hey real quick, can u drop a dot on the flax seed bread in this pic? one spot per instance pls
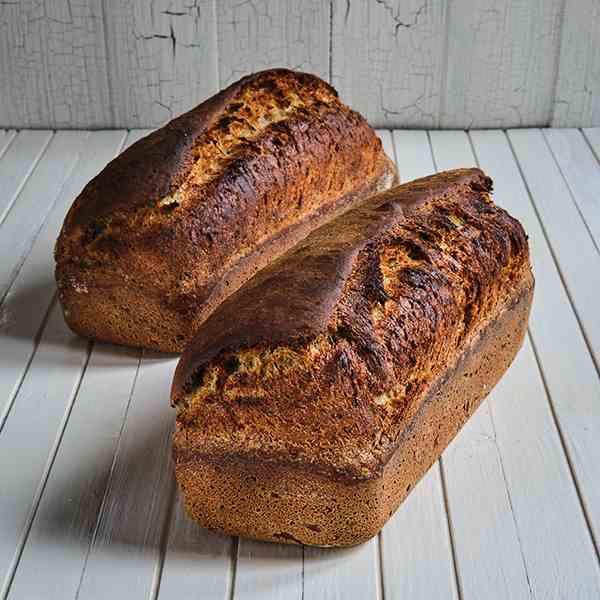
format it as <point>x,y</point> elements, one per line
<point>313,399</point>
<point>184,216</point>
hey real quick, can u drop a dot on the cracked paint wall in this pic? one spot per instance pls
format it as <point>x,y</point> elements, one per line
<point>402,63</point>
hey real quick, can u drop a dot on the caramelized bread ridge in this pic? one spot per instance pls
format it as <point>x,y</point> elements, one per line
<point>322,360</point>
<point>150,240</point>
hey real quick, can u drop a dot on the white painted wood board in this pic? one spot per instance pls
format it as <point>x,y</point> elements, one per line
<point>386,59</point>
<point>577,91</point>
<point>579,167</point>
<point>96,514</point>
<point>258,35</point>
<point>576,255</point>
<point>568,369</point>
<point>53,64</point>
<point>18,161</point>
<point>501,62</point>
<point>26,303</point>
<point>161,59</point>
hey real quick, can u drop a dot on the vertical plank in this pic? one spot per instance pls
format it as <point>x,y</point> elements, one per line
<point>577,257</point>
<point>31,431</point>
<point>342,573</point>
<point>26,302</point>
<point>485,535</point>
<point>501,62</point>
<point>581,172</point>
<point>554,539</point>
<point>17,164</point>
<point>124,558</point>
<point>268,571</point>
<point>60,535</point>
<point>416,552</point>
<point>6,137</point>
<point>577,95</point>
<point>161,58</point>
<point>31,434</point>
<point>567,366</point>
<point>53,65</point>
<point>53,558</point>
<point>388,59</point>
<point>18,230</point>
<point>592,135</point>
<point>198,563</point>
<point>267,33</point>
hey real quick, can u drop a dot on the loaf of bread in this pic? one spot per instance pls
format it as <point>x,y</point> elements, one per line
<point>184,216</point>
<point>313,399</point>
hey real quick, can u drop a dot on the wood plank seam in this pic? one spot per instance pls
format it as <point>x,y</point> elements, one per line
<point>566,452</point>
<point>31,242</point>
<point>561,29</point>
<point>13,134</point>
<point>588,142</point>
<point>46,473</point>
<point>441,468</point>
<point>571,193</point>
<point>554,258</point>
<point>539,364</point>
<point>110,473</point>
<point>28,173</point>
<point>36,343</point>
<point>508,493</point>
<point>164,540</point>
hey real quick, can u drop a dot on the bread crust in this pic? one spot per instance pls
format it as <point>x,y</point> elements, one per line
<point>339,373</point>
<point>183,217</point>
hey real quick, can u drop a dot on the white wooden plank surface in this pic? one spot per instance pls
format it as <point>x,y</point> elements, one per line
<point>161,58</point>
<point>501,65</point>
<point>576,255</point>
<point>342,573</point>
<point>6,137</point>
<point>282,565</point>
<point>486,540</point>
<point>17,163</point>
<point>569,372</point>
<point>577,93</point>
<point>416,551</point>
<point>35,200</point>
<point>53,64</point>
<point>556,544</point>
<point>198,564</point>
<point>579,167</point>
<point>107,524</point>
<point>81,466</point>
<point>268,33</point>
<point>31,434</point>
<point>26,303</point>
<point>124,559</point>
<point>33,427</point>
<point>387,59</point>
<point>592,134</point>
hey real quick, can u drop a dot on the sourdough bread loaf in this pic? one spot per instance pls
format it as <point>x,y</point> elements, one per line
<point>314,398</point>
<point>184,216</point>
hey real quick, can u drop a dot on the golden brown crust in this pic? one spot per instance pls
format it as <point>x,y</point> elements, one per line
<point>187,214</point>
<point>321,362</point>
<point>287,503</point>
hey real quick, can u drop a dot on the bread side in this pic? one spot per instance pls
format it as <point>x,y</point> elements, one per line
<point>186,215</point>
<point>320,370</point>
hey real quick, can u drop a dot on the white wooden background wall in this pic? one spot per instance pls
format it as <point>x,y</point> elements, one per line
<point>403,63</point>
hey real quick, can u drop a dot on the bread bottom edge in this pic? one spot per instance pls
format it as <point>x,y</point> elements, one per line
<point>276,503</point>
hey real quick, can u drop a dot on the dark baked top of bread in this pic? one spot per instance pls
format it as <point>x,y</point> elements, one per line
<point>321,359</point>
<point>206,189</point>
